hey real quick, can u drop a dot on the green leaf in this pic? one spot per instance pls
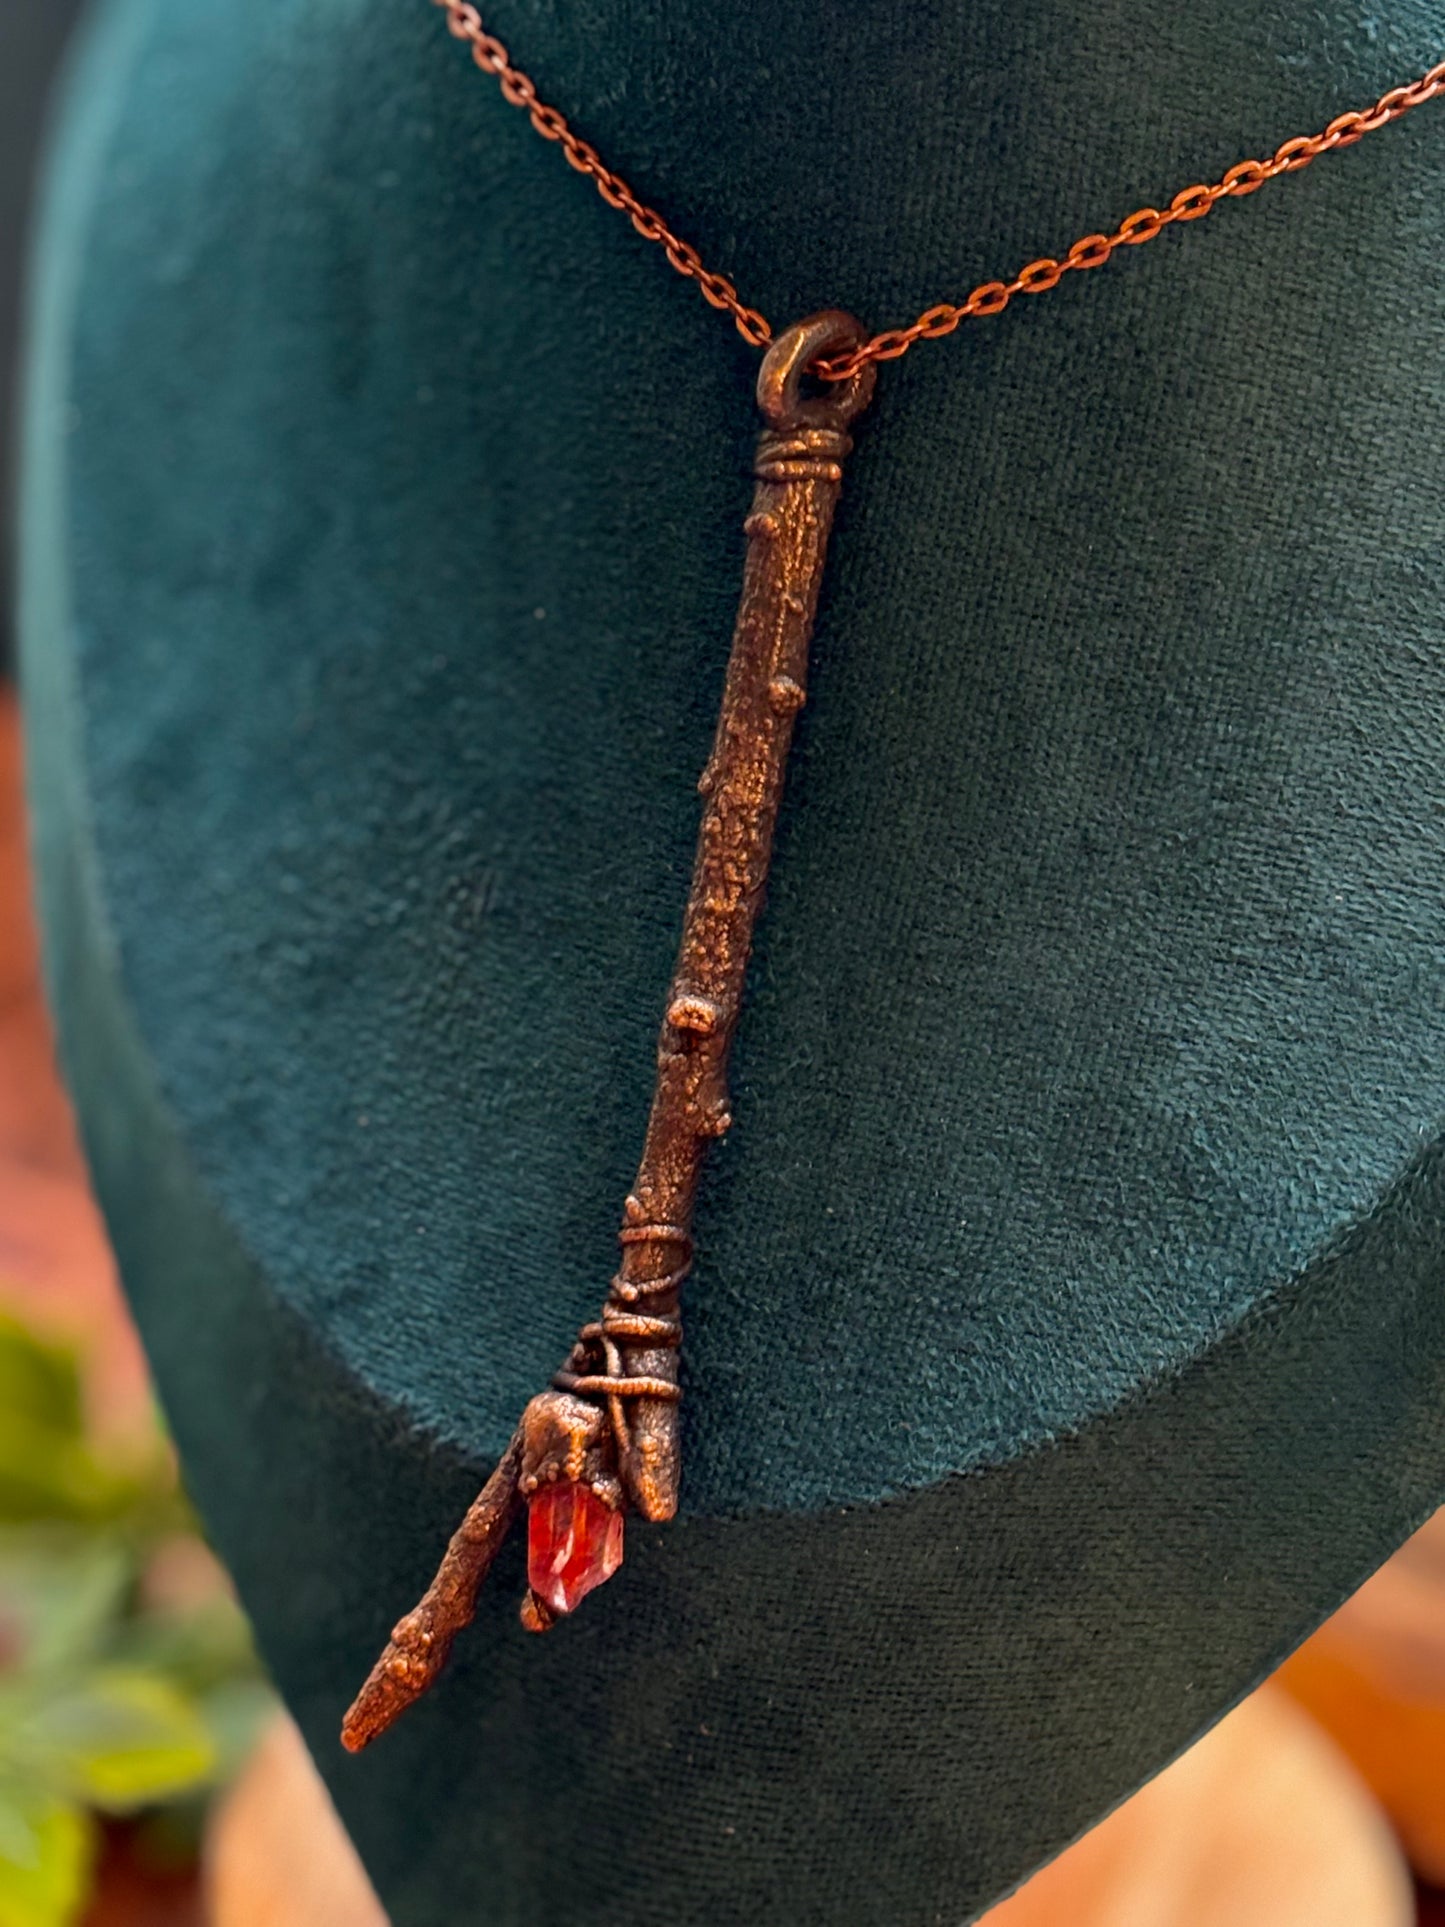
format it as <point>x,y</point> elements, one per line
<point>46,1848</point>
<point>236,1714</point>
<point>203,1646</point>
<point>46,1472</point>
<point>64,1592</point>
<point>120,1739</point>
<point>47,1469</point>
<point>38,1380</point>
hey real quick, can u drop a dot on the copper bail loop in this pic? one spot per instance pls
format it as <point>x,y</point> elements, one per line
<point>796,349</point>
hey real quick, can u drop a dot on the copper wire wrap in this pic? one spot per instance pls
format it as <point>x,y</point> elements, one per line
<point>989,297</point>
<point>620,1326</point>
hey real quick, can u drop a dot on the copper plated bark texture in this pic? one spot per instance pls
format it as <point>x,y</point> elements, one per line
<point>610,1421</point>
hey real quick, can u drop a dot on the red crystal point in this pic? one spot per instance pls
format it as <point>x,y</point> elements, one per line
<point>574,1542</point>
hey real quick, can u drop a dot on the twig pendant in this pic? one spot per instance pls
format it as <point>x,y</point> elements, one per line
<point>605,1437</point>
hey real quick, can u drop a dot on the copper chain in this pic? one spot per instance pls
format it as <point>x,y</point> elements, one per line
<point>990,297</point>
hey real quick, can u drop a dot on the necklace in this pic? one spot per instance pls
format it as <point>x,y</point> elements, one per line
<point>603,1439</point>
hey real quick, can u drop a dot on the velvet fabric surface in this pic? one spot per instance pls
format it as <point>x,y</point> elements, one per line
<point>1067,1336</point>
<point>31,39</point>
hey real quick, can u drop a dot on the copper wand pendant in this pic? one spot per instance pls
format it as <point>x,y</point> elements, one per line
<point>605,1437</point>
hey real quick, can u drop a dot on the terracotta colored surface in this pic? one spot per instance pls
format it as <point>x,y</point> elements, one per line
<point>1374,1677</point>
<point>55,1264</point>
<point>131,1894</point>
<point>1262,1824</point>
<point>277,1855</point>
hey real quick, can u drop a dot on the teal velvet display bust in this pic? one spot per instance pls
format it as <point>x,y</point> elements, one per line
<point>1068,1331</point>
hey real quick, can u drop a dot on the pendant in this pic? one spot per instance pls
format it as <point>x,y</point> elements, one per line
<point>604,1438</point>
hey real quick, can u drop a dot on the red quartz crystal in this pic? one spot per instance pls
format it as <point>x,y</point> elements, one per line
<point>574,1542</point>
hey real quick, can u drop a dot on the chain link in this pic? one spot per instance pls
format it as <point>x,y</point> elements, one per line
<point>989,297</point>
<point>465,23</point>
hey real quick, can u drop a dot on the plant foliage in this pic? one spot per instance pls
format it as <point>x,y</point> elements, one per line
<point>116,1698</point>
